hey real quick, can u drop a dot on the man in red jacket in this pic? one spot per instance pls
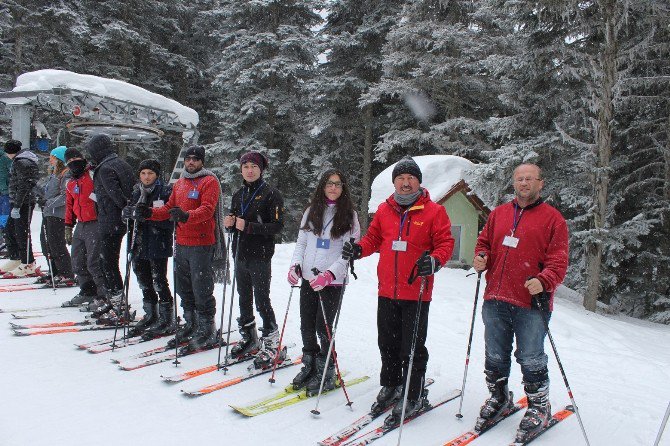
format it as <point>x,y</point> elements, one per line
<point>524,248</point>
<point>406,226</point>
<point>196,206</point>
<point>80,211</point>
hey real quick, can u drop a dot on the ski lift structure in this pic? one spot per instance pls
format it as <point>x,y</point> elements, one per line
<point>90,112</point>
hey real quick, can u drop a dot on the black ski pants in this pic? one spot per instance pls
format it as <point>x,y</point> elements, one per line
<point>195,278</point>
<point>52,238</point>
<point>253,284</point>
<point>395,328</point>
<point>19,245</point>
<point>311,317</point>
<point>110,250</point>
<point>152,280</point>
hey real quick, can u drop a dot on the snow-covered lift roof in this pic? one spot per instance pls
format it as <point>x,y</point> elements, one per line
<point>439,174</point>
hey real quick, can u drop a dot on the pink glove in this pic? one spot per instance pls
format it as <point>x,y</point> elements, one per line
<point>294,275</point>
<point>321,281</point>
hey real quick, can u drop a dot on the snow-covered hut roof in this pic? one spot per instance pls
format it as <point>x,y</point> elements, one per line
<point>440,173</point>
<point>111,88</point>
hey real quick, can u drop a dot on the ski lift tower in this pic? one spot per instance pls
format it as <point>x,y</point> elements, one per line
<point>126,112</point>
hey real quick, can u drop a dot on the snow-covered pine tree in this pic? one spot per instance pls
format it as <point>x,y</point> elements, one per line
<point>268,53</point>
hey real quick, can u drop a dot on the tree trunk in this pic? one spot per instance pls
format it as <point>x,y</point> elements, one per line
<point>666,159</point>
<point>367,166</point>
<point>605,82</point>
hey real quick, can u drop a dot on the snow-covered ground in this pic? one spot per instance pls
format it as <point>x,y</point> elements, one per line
<point>53,394</point>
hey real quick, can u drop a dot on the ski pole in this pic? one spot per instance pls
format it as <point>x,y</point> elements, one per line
<point>560,365</point>
<point>47,253</point>
<point>232,299</point>
<point>415,334</point>
<point>129,259</point>
<point>459,415</point>
<point>281,336</point>
<point>663,424</point>
<point>176,361</point>
<point>331,337</point>
<point>223,301</point>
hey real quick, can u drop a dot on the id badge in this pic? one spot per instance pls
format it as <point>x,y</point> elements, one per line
<point>510,241</point>
<point>158,203</point>
<point>193,195</point>
<point>399,245</point>
<point>76,189</point>
<point>93,197</point>
<point>323,243</point>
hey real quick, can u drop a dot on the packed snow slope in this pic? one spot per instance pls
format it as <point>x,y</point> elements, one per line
<point>53,394</point>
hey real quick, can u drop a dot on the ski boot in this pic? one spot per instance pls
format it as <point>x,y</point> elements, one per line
<point>78,300</point>
<point>23,270</point>
<point>186,331</point>
<point>538,413</point>
<point>9,265</point>
<point>150,316</point>
<point>330,381</point>
<point>387,396</point>
<point>412,407</point>
<point>268,351</point>
<point>205,336</point>
<point>114,300</point>
<point>249,343</point>
<point>498,404</point>
<point>306,372</point>
<point>117,316</point>
<point>163,326</point>
<point>62,281</point>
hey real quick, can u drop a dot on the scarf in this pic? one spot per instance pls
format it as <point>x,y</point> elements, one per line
<point>220,263</point>
<point>407,199</point>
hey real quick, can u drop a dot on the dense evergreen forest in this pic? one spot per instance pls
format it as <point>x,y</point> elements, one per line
<point>580,87</point>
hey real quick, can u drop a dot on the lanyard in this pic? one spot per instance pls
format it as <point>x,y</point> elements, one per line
<point>246,206</point>
<point>516,222</point>
<point>195,184</point>
<point>323,231</point>
<point>402,223</point>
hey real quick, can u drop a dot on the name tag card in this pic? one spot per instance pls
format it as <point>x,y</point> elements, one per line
<point>76,189</point>
<point>323,243</point>
<point>158,203</point>
<point>510,241</point>
<point>399,245</point>
<point>193,195</point>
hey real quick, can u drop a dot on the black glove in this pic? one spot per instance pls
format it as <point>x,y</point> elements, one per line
<point>141,212</point>
<point>351,251</point>
<point>178,215</point>
<point>427,265</point>
<point>127,212</point>
<point>541,301</point>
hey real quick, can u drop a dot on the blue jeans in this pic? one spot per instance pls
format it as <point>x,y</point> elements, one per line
<point>504,321</point>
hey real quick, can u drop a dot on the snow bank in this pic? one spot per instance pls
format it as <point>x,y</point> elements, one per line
<point>440,173</point>
<point>112,88</point>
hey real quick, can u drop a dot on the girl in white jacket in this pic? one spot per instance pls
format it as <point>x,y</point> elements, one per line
<point>328,222</point>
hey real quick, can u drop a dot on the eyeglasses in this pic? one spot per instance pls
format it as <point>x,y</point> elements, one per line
<point>526,179</point>
<point>337,184</point>
<point>191,158</point>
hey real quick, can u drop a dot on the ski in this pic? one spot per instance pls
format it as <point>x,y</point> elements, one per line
<point>34,316</point>
<point>201,371</point>
<point>35,332</point>
<point>181,354</point>
<point>238,379</point>
<point>93,343</point>
<point>9,288</point>
<point>51,325</point>
<point>120,343</point>
<point>26,310</point>
<point>470,436</point>
<point>553,421</point>
<point>153,352</point>
<point>384,429</point>
<point>358,425</point>
<point>291,399</point>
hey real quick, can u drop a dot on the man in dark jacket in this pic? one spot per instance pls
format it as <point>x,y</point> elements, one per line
<point>404,227</point>
<point>113,180</point>
<point>195,205</point>
<point>257,215</point>
<point>23,177</point>
<point>150,249</point>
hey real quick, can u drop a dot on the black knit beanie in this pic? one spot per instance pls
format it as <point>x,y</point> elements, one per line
<point>407,165</point>
<point>150,164</point>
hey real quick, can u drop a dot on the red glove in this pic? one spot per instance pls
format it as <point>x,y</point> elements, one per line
<point>321,281</point>
<point>294,275</point>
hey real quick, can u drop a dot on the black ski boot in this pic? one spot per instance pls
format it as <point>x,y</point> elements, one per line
<point>205,336</point>
<point>117,316</point>
<point>267,354</point>
<point>539,410</point>
<point>306,372</point>
<point>249,343</point>
<point>185,332</point>
<point>163,326</point>
<point>387,396</point>
<point>150,316</point>
<point>329,383</point>
<point>500,401</point>
<point>79,299</point>
<point>411,408</point>
<point>114,300</point>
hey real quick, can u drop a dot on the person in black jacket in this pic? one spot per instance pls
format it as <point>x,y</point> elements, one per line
<point>151,248</point>
<point>113,180</point>
<point>257,215</point>
<point>23,177</point>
